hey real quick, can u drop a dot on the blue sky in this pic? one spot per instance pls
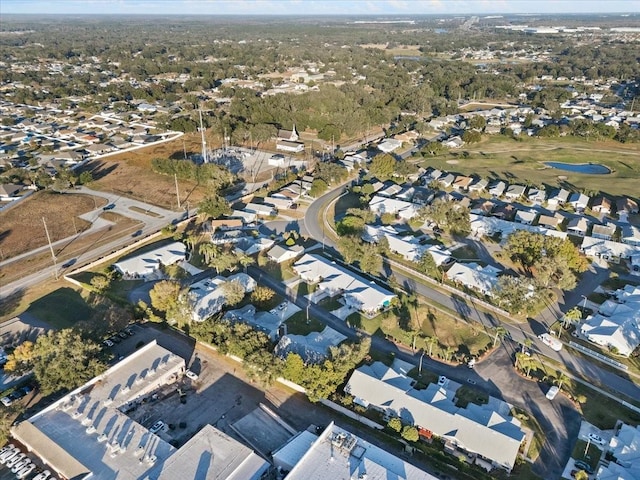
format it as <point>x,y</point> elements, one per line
<point>315,7</point>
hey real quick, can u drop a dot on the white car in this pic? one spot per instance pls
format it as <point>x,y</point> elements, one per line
<point>596,439</point>
<point>159,425</point>
<point>191,375</point>
<point>551,342</point>
<point>553,391</point>
<point>6,401</point>
<point>442,381</point>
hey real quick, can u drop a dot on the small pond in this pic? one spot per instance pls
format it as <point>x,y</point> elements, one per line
<point>588,168</point>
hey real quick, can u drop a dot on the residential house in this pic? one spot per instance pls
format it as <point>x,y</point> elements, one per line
<point>482,207</point>
<point>441,256</point>
<point>288,135</point>
<point>453,142</point>
<point>605,232</point>
<point>280,203</point>
<point>250,245</point>
<point>537,196</point>
<point>474,276</point>
<point>405,210</point>
<point>579,201</point>
<point>281,253</point>
<point>479,185</point>
<point>333,280</point>
<point>617,324</point>
<point>504,212</point>
<point>423,196</point>
<point>286,146</point>
<point>260,209</point>
<point>388,145</point>
<point>601,204</point>
<point>624,448</point>
<point>206,296</point>
<point>526,217</point>
<point>608,250</point>
<point>550,221</point>
<point>486,435</point>
<point>514,192</point>
<point>497,188</point>
<point>446,180</point>
<point>578,226</point>
<point>558,198</point>
<point>224,224</point>
<point>247,217</point>
<point>266,322</point>
<point>390,190</point>
<point>313,348</point>
<point>462,183</point>
<point>630,235</point>
<point>146,266</point>
<point>9,191</point>
<point>626,206</point>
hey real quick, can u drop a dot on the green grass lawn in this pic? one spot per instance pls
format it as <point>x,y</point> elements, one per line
<point>522,161</point>
<point>297,324</point>
<point>61,308</point>
<point>465,253</point>
<point>530,422</point>
<point>466,394</point>
<point>592,456</point>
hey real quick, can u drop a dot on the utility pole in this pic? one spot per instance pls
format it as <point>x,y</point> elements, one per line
<point>204,143</point>
<point>175,177</point>
<point>53,255</point>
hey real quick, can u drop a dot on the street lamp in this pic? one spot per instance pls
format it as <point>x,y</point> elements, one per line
<point>308,305</point>
<point>584,305</point>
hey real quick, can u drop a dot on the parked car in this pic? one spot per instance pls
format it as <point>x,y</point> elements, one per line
<point>596,439</point>
<point>129,332</point>
<point>583,466</point>
<point>111,206</point>
<point>115,339</point>
<point>191,375</point>
<point>6,401</point>
<point>159,425</point>
<point>442,381</point>
<point>553,391</point>
<point>108,343</point>
<point>123,335</point>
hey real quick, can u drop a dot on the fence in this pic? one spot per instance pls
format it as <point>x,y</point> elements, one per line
<point>599,356</point>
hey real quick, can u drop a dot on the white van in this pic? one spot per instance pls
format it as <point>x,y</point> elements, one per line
<point>551,342</point>
<point>553,391</point>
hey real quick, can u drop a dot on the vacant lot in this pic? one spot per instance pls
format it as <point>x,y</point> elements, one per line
<point>522,161</point>
<point>22,228</point>
<point>130,174</point>
<point>61,308</point>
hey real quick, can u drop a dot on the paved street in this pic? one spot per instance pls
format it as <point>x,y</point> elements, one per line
<point>155,220</point>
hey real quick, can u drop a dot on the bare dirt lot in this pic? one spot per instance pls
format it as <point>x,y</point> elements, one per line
<point>130,174</point>
<point>22,228</point>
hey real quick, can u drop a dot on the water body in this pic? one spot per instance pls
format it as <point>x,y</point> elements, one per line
<point>587,168</point>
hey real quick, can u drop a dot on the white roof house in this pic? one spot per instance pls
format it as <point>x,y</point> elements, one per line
<point>625,447</point>
<point>481,225</point>
<point>338,454</point>
<point>559,197</point>
<point>474,276</point>
<point>405,210</point>
<point>207,296</point>
<point>579,201</point>
<point>497,188</point>
<point>616,324</point>
<point>488,431</point>
<point>515,191</point>
<point>526,217</point>
<point>281,253</point>
<point>313,348</point>
<point>146,264</point>
<point>630,235</point>
<point>332,280</point>
<point>439,254</point>
<point>408,247</point>
<point>607,249</point>
<point>388,145</point>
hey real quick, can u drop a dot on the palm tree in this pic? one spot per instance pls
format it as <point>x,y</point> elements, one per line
<point>191,241</point>
<point>209,251</point>
<point>431,342</point>
<point>447,353</point>
<point>500,333</point>
<point>526,343</point>
<point>561,380</point>
<point>245,261</point>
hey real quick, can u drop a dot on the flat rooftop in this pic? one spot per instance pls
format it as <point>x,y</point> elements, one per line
<point>86,432</point>
<point>337,453</point>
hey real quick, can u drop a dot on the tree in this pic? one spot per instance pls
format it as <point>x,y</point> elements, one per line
<point>233,292</point>
<point>447,353</point>
<point>223,261</point>
<point>64,360</point>
<point>370,260</point>
<point>526,343</point>
<point>561,380</point>
<point>395,424</point>
<point>431,342</point>
<point>427,265</point>
<point>214,206</point>
<point>20,361</point>
<point>294,368</point>
<point>318,187</point>
<point>100,283</point>
<point>478,122</point>
<point>85,178</point>
<point>209,251</point>
<point>383,166</point>
<point>525,247</point>
<point>514,294</point>
<point>164,295</point>
<point>261,296</point>
<point>471,136</point>
<point>499,334</point>
<point>245,260</point>
<point>581,475</point>
<point>410,433</point>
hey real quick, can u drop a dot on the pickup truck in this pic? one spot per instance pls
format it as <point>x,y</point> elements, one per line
<point>551,342</point>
